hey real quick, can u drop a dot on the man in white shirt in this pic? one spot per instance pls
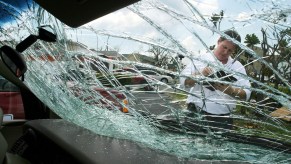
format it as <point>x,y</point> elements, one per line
<point>216,100</point>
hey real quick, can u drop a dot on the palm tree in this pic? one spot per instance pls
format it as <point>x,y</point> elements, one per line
<point>251,40</point>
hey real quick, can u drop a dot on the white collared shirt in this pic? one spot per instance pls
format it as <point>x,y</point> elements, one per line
<point>215,102</point>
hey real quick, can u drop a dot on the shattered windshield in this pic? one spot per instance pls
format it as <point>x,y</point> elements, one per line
<point>167,75</point>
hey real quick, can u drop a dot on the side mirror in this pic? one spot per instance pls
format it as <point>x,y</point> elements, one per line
<point>13,60</point>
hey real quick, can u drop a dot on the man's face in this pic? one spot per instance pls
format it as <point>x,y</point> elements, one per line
<point>224,49</point>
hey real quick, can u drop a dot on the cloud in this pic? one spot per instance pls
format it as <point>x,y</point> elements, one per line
<point>189,43</point>
<point>206,7</point>
<point>126,21</point>
<point>119,20</point>
<point>243,16</point>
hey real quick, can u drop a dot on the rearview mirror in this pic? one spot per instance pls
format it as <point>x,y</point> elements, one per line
<point>43,34</point>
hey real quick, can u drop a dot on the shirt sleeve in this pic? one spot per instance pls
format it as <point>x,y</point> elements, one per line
<point>243,82</point>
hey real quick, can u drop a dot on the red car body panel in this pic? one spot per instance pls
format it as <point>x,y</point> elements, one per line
<point>11,103</point>
<point>109,96</point>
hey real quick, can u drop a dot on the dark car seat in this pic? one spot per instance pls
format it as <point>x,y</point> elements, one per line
<point>5,157</point>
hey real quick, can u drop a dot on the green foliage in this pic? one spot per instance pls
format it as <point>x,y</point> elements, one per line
<point>251,40</point>
<point>261,129</point>
<point>285,90</point>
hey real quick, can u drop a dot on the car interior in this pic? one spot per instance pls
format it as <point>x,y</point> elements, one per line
<point>40,137</point>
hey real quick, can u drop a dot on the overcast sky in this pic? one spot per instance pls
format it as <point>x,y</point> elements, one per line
<point>243,15</point>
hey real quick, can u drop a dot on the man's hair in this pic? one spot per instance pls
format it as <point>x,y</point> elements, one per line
<point>231,33</point>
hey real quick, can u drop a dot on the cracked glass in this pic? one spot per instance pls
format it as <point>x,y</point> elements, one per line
<point>123,75</point>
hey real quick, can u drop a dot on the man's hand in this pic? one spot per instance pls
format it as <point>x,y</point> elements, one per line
<point>207,71</point>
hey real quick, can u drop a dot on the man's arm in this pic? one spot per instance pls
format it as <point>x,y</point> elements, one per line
<point>189,82</point>
<point>230,90</point>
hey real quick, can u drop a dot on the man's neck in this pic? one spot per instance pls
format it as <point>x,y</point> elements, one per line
<point>223,61</point>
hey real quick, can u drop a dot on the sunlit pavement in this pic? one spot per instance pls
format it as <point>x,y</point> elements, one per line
<point>156,102</point>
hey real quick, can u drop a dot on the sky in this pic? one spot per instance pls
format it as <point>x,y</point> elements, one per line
<point>245,16</point>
